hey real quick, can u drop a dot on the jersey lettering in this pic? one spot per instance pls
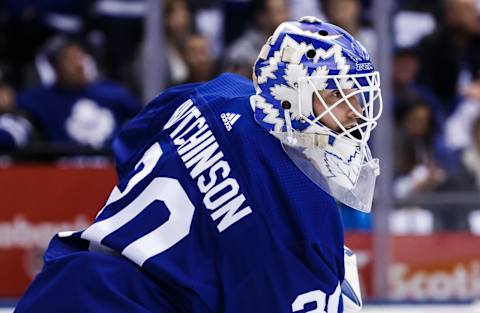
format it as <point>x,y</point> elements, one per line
<point>201,154</point>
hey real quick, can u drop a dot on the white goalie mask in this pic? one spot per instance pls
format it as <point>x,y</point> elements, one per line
<point>326,137</point>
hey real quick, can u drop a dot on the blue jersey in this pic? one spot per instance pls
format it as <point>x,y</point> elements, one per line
<point>88,116</point>
<point>209,215</point>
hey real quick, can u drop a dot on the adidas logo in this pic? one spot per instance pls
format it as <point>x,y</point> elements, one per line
<point>229,119</point>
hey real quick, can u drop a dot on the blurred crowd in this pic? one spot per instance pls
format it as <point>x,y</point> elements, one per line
<point>71,72</point>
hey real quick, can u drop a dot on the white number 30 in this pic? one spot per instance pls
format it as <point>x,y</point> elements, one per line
<point>320,299</point>
<point>165,189</point>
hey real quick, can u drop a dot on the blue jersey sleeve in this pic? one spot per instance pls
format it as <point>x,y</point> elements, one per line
<point>93,282</point>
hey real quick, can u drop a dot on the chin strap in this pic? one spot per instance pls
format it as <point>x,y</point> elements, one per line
<point>304,140</point>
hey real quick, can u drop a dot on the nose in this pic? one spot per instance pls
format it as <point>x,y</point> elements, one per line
<point>356,106</point>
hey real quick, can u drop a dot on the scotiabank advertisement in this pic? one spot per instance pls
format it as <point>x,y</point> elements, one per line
<point>38,201</point>
<point>438,267</point>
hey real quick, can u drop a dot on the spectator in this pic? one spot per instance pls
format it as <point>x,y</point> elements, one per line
<point>178,25</point>
<point>243,52</point>
<point>75,110</point>
<point>460,121</point>
<point>450,57</point>
<point>416,167</point>
<point>404,73</point>
<point>419,169</point>
<point>15,130</point>
<point>347,14</point>
<point>198,58</point>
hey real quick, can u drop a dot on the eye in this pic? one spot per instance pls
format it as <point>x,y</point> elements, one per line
<point>337,94</point>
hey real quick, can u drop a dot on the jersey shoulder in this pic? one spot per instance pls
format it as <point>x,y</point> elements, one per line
<point>139,133</point>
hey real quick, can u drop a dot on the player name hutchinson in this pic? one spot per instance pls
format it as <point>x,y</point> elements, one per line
<point>200,152</point>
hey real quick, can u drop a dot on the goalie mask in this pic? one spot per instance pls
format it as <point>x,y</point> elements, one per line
<point>317,91</point>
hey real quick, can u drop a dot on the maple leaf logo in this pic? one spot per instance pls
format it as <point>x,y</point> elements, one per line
<point>289,92</point>
<point>338,168</point>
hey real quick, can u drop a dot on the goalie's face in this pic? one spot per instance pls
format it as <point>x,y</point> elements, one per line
<point>346,106</point>
<point>335,111</point>
<point>332,150</point>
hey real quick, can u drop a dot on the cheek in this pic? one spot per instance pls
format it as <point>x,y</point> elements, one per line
<point>337,112</point>
<point>317,106</point>
<point>340,110</point>
<point>328,121</point>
